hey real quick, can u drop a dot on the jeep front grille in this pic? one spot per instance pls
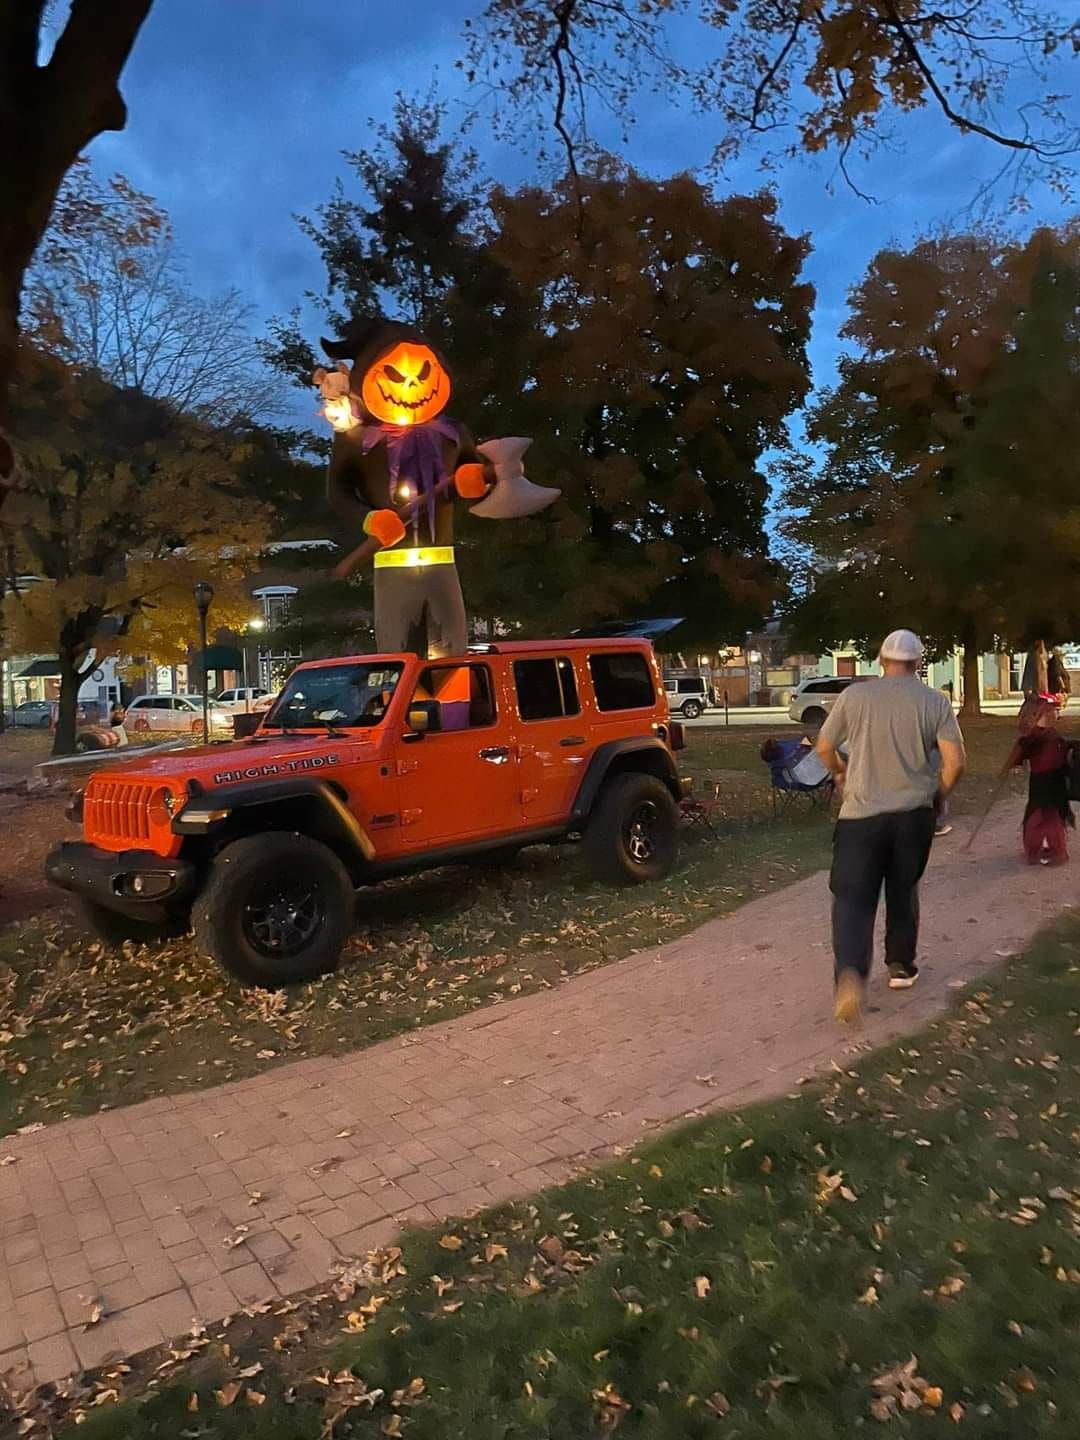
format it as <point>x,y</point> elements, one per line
<point>121,814</point>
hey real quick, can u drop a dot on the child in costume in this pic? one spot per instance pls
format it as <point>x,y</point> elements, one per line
<point>1048,812</point>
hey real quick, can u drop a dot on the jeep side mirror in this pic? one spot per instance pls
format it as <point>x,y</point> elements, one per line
<point>419,719</point>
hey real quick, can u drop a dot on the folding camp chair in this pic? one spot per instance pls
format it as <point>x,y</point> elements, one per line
<point>697,810</point>
<point>814,784</point>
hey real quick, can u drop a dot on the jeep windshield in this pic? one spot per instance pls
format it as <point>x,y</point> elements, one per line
<point>334,696</point>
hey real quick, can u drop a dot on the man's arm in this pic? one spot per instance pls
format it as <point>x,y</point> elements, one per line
<point>831,736</point>
<point>953,765</point>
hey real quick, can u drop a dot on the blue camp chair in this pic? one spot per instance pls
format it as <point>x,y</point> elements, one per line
<point>783,758</point>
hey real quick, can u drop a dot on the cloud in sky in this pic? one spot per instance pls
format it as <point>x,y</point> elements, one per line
<point>239,112</point>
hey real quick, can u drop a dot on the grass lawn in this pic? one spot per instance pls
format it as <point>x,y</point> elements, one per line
<point>899,1245</point>
<point>82,1028</point>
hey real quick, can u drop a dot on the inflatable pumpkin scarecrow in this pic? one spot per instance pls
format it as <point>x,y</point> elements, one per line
<point>398,464</point>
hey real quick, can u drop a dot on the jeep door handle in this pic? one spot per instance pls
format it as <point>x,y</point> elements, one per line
<point>496,754</point>
<point>572,740</point>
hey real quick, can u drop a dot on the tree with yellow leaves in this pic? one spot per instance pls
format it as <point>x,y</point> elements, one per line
<point>124,504</point>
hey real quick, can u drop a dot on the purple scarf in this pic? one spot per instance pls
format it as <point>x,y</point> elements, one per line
<point>418,451</point>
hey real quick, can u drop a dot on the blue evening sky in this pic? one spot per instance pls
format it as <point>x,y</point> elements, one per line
<point>239,109</point>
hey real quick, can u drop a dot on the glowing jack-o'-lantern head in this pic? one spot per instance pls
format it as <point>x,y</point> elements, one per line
<point>405,384</point>
<point>396,376</point>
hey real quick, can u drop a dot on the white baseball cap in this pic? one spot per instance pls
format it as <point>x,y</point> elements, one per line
<point>902,645</point>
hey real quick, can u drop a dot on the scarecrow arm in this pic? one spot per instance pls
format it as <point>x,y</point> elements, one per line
<point>341,485</point>
<point>474,475</point>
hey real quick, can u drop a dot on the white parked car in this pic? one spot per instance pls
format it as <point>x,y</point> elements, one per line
<point>812,699</point>
<point>174,715</point>
<point>240,700</point>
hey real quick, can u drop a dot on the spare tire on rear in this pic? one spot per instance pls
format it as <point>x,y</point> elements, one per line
<point>276,909</point>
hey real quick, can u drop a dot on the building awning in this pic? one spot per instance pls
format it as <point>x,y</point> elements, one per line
<point>44,669</point>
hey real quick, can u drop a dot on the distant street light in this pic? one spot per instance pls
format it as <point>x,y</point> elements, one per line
<point>204,598</point>
<point>255,623</point>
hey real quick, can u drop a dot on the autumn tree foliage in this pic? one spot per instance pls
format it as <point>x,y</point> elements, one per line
<point>939,468</point>
<point>123,504</point>
<point>50,109</point>
<point>666,351</point>
<point>652,355</point>
<point>832,75</point>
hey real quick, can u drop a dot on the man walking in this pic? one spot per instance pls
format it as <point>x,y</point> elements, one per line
<point>905,755</point>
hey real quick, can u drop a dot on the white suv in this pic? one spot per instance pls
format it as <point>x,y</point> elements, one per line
<point>689,694</point>
<point>813,699</point>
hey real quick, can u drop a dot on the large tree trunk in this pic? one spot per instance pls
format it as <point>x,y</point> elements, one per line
<point>972,691</point>
<point>48,115</point>
<point>71,679</point>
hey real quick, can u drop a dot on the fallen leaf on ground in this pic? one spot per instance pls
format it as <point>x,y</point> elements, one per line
<point>552,1249</point>
<point>702,1286</point>
<point>228,1393</point>
<point>451,1242</point>
<point>952,1286</point>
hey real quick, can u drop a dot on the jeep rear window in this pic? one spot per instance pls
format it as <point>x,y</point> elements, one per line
<point>622,680</point>
<point>546,689</point>
<point>338,695</point>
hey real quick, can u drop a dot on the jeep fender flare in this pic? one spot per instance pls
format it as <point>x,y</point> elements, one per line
<point>611,757</point>
<point>210,811</point>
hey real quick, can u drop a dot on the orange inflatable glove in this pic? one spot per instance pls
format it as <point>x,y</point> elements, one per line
<point>471,481</point>
<point>385,525</point>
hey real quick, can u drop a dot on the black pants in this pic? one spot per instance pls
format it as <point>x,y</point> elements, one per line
<point>890,850</point>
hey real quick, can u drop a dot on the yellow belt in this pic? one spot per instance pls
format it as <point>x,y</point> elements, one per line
<point>427,555</point>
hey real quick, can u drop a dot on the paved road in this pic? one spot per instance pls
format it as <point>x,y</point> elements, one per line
<point>194,1205</point>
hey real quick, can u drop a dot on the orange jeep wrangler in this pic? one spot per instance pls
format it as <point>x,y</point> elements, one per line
<point>373,766</point>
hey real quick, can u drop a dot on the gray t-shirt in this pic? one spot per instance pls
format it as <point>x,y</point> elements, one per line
<point>890,728</point>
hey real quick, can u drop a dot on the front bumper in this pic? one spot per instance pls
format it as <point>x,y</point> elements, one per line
<point>133,882</point>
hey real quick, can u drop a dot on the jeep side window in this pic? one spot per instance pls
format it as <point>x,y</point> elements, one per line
<point>622,680</point>
<point>546,689</point>
<point>457,697</point>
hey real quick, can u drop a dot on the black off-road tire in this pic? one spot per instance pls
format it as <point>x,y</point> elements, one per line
<point>618,850</point>
<point>814,717</point>
<point>115,930</point>
<point>276,909</point>
<point>692,709</point>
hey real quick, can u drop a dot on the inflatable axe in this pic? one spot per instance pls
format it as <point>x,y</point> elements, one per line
<point>512,495</point>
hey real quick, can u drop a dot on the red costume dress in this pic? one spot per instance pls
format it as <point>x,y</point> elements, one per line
<point>1048,811</point>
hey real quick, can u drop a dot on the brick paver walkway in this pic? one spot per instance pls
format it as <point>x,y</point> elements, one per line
<point>195,1205</point>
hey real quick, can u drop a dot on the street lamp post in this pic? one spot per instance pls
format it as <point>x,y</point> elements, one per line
<point>204,598</point>
<point>257,623</point>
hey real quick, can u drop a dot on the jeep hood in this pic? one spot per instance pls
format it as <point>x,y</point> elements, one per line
<point>245,760</point>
